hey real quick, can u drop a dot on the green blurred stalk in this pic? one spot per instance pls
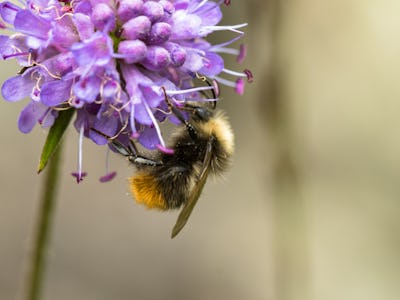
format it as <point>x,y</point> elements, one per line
<point>44,224</point>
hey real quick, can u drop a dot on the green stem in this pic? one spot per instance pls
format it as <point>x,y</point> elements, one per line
<point>44,224</point>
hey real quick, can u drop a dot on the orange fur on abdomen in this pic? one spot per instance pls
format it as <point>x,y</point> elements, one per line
<point>145,191</point>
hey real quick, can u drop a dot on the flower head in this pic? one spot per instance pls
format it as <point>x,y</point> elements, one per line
<point>109,60</point>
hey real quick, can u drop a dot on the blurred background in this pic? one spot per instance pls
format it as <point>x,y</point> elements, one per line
<point>310,210</point>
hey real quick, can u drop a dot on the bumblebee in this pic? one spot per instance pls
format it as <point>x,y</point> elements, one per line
<point>203,146</point>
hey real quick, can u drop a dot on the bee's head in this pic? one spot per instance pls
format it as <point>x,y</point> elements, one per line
<point>201,114</point>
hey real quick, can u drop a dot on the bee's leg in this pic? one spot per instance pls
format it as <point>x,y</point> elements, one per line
<point>120,148</point>
<point>189,127</point>
<point>144,161</point>
<point>130,152</point>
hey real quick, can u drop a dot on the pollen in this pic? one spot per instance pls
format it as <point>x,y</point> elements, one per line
<point>144,189</point>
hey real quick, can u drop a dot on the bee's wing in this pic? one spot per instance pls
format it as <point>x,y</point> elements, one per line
<point>195,193</point>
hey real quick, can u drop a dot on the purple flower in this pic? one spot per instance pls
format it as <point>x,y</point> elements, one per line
<point>110,59</point>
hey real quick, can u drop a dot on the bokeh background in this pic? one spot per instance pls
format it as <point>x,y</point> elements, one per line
<point>310,210</point>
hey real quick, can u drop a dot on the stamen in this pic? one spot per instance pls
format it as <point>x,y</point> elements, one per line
<point>227,51</point>
<point>230,28</point>
<point>154,121</point>
<point>63,106</point>
<point>99,100</point>
<point>48,71</point>
<point>165,149</point>
<point>202,99</point>
<point>225,81</point>
<point>66,10</point>
<point>242,54</point>
<point>15,55</point>
<point>119,109</point>
<point>132,121</point>
<point>109,175</point>
<point>79,175</point>
<point>198,51</point>
<point>35,94</point>
<point>239,84</point>
<point>234,73</point>
<point>134,135</point>
<point>197,89</point>
<point>216,4</point>
<point>222,45</point>
<point>201,77</point>
<point>214,84</point>
<point>165,112</point>
<point>249,75</point>
<point>11,7</point>
<point>120,131</point>
<point>216,87</point>
<point>239,88</point>
<point>43,117</point>
<point>200,5</point>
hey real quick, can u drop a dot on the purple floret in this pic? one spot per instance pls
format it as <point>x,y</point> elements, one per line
<point>110,59</point>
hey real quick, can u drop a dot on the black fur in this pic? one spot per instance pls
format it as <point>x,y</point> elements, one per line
<point>178,171</point>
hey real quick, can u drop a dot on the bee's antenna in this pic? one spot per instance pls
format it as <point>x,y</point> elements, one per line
<point>192,132</point>
<point>214,90</point>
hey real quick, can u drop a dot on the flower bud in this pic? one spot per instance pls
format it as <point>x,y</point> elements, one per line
<point>103,17</point>
<point>129,9</point>
<point>159,33</point>
<point>132,50</point>
<point>137,28</point>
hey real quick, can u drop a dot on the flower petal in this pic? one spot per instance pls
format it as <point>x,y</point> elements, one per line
<point>55,92</point>
<point>48,119</point>
<point>84,25</point>
<point>185,26</point>
<point>64,33</point>
<point>84,7</point>
<point>213,64</point>
<point>8,11</point>
<point>152,94</point>
<point>32,25</point>
<point>87,88</point>
<point>103,17</point>
<point>3,45</point>
<point>95,51</point>
<point>210,14</point>
<point>148,138</point>
<point>30,115</point>
<point>16,88</point>
<point>141,114</point>
<point>193,62</point>
<point>107,126</point>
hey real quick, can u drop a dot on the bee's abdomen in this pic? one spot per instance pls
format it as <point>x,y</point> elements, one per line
<point>165,189</point>
<point>145,190</point>
<point>176,183</point>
